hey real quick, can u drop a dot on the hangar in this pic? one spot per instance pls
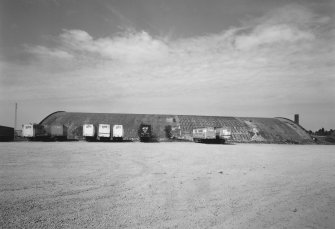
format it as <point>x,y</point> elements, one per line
<point>243,129</point>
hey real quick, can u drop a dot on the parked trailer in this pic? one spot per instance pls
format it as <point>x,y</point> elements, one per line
<point>58,132</point>
<point>118,133</point>
<point>104,132</point>
<point>34,132</point>
<point>206,134</point>
<point>211,134</point>
<point>145,133</point>
<point>6,134</point>
<point>89,132</point>
<point>223,134</point>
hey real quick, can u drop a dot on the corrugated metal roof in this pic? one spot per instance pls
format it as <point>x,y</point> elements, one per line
<point>244,129</point>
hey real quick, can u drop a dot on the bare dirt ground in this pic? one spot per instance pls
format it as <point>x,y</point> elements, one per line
<point>166,185</point>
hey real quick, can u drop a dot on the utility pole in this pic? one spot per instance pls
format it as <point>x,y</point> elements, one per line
<point>15,122</point>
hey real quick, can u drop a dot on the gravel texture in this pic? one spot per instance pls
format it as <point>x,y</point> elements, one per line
<point>166,185</point>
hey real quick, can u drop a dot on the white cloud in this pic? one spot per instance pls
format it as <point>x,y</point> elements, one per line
<point>291,14</point>
<point>288,25</point>
<point>271,35</point>
<point>47,52</point>
<point>291,25</point>
<point>276,59</point>
<point>128,47</point>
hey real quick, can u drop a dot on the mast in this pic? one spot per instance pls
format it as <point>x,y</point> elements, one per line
<point>15,122</point>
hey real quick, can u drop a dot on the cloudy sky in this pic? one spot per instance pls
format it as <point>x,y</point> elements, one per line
<point>246,58</point>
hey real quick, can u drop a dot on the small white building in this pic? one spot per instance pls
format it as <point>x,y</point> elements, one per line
<point>88,130</point>
<point>28,130</point>
<point>104,131</point>
<point>118,132</point>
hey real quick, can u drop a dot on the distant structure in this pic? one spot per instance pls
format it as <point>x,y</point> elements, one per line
<point>6,134</point>
<point>15,121</point>
<point>243,129</point>
<point>296,118</point>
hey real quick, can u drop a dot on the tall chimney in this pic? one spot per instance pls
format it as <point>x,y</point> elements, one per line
<point>296,118</point>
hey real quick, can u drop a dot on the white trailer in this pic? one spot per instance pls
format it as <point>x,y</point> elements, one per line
<point>104,131</point>
<point>205,134</point>
<point>223,132</point>
<point>88,130</point>
<point>28,130</point>
<point>34,132</point>
<point>118,132</point>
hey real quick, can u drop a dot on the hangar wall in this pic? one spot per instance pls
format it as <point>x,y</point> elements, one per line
<point>6,133</point>
<point>244,129</point>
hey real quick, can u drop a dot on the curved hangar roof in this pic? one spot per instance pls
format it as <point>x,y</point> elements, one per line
<point>266,130</point>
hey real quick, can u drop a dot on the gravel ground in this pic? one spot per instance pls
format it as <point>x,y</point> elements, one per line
<point>166,185</point>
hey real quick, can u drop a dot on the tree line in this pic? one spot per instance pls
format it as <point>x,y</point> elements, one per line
<point>322,132</point>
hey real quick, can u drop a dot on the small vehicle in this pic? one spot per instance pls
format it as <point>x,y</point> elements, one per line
<point>104,132</point>
<point>203,135</point>
<point>223,134</point>
<point>145,133</point>
<point>34,132</point>
<point>118,133</point>
<point>211,134</point>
